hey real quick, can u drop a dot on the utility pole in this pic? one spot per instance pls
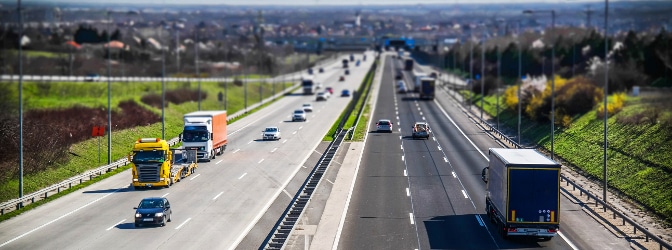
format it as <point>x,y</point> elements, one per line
<point>20,14</point>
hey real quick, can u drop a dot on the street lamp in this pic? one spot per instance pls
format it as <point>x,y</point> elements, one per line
<point>109,95</point>
<point>606,85</point>
<point>552,76</point>
<point>20,14</point>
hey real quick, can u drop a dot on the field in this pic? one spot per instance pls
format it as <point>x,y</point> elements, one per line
<point>56,108</point>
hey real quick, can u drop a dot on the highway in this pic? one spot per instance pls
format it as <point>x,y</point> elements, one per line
<point>213,209</point>
<point>427,194</point>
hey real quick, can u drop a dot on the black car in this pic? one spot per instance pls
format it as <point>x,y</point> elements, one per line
<point>347,72</point>
<point>154,211</point>
<point>321,70</point>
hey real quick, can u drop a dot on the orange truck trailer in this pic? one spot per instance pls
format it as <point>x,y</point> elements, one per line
<point>205,131</point>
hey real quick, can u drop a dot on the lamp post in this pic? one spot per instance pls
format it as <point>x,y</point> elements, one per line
<point>109,95</point>
<point>198,75</point>
<point>482,74</point>
<point>520,79</point>
<point>20,14</point>
<point>552,76</point>
<point>606,85</point>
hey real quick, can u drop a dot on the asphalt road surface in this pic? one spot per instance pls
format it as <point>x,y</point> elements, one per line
<point>427,194</point>
<point>213,209</point>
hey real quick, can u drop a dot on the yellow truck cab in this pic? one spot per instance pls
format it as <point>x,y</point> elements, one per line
<point>153,163</point>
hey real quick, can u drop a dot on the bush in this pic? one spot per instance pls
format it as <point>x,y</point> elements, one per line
<point>577,96</point>
<point>511,97</point>
<point>613,107</point>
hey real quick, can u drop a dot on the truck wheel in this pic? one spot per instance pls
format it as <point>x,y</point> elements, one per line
<point>213,154</point>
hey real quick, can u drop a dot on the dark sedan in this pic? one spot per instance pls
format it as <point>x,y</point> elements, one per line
<point>154,211</point>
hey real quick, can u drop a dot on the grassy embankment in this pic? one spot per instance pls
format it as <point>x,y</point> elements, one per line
<point>362,91</point>
<point>639,161</point>
<point>66,94</point>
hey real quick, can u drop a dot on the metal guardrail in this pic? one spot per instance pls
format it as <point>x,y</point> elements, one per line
<point>44,193</point>
<point>636,227</point>
<point>285,225</point>
<point>351,132</point>
<point>19,203</point>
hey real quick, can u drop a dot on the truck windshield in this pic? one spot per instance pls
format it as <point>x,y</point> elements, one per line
<point>148,156</point>
<point>194,136</point>
<point>307,83</point>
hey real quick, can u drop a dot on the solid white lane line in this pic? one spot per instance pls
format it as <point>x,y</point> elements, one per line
<point>183,223</point>
<point>260,161</point>
<point>242,176</point>
<point>218,162</point>
<point>458,128</point>
<point>235,151</point>
<point>54,220</point>
<point>108,229</point>
<point>408,192</point>
<point>284,141</point>
<point>480,220</point>
<point>217,196</point>
<point>192,178</point>
<point>165,195</point>
<point>568,242</point>
<point>454,174</point>
<point>274,150</point>
<point>465,194</point>
<point>412,220</point>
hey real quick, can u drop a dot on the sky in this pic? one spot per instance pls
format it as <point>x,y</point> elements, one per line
<point>314,2</point>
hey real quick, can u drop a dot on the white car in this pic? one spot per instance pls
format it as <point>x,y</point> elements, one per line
<point>321,96</point>
<point>308,107</point>
<point>271,133</point>
<point>299,115</point>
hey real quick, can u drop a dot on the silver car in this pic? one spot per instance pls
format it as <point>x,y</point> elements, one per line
<point>308,107</point>
<point>384,125</point>
<point>271,133</point>
<point>299,115</point>
<point>421,130</point>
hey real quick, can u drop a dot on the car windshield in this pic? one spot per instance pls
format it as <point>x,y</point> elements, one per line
<point>148,156</point>
<point>151,204</point>
<point>384,123</point>
<point>195,136</point>
<point>420,127</point>
<point>271,129</point>
<point>298,111</point>
<point>306,105</point>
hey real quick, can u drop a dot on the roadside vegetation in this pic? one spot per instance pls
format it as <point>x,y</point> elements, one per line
<point>359,100</point>
<point>639,131</point>
<point>59,117</point>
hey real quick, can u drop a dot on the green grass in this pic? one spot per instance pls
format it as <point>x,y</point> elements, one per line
<point>638,160</point>
<point>360,130</point>
<point>37,54</point>
<point>63,95</point>
<point>363,90</point>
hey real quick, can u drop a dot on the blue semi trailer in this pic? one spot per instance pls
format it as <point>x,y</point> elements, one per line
<point>522,193</point>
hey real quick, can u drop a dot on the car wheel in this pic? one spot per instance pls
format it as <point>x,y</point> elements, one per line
<point>170,216</point>
<point>163,222</point>
<point>137,224</point>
